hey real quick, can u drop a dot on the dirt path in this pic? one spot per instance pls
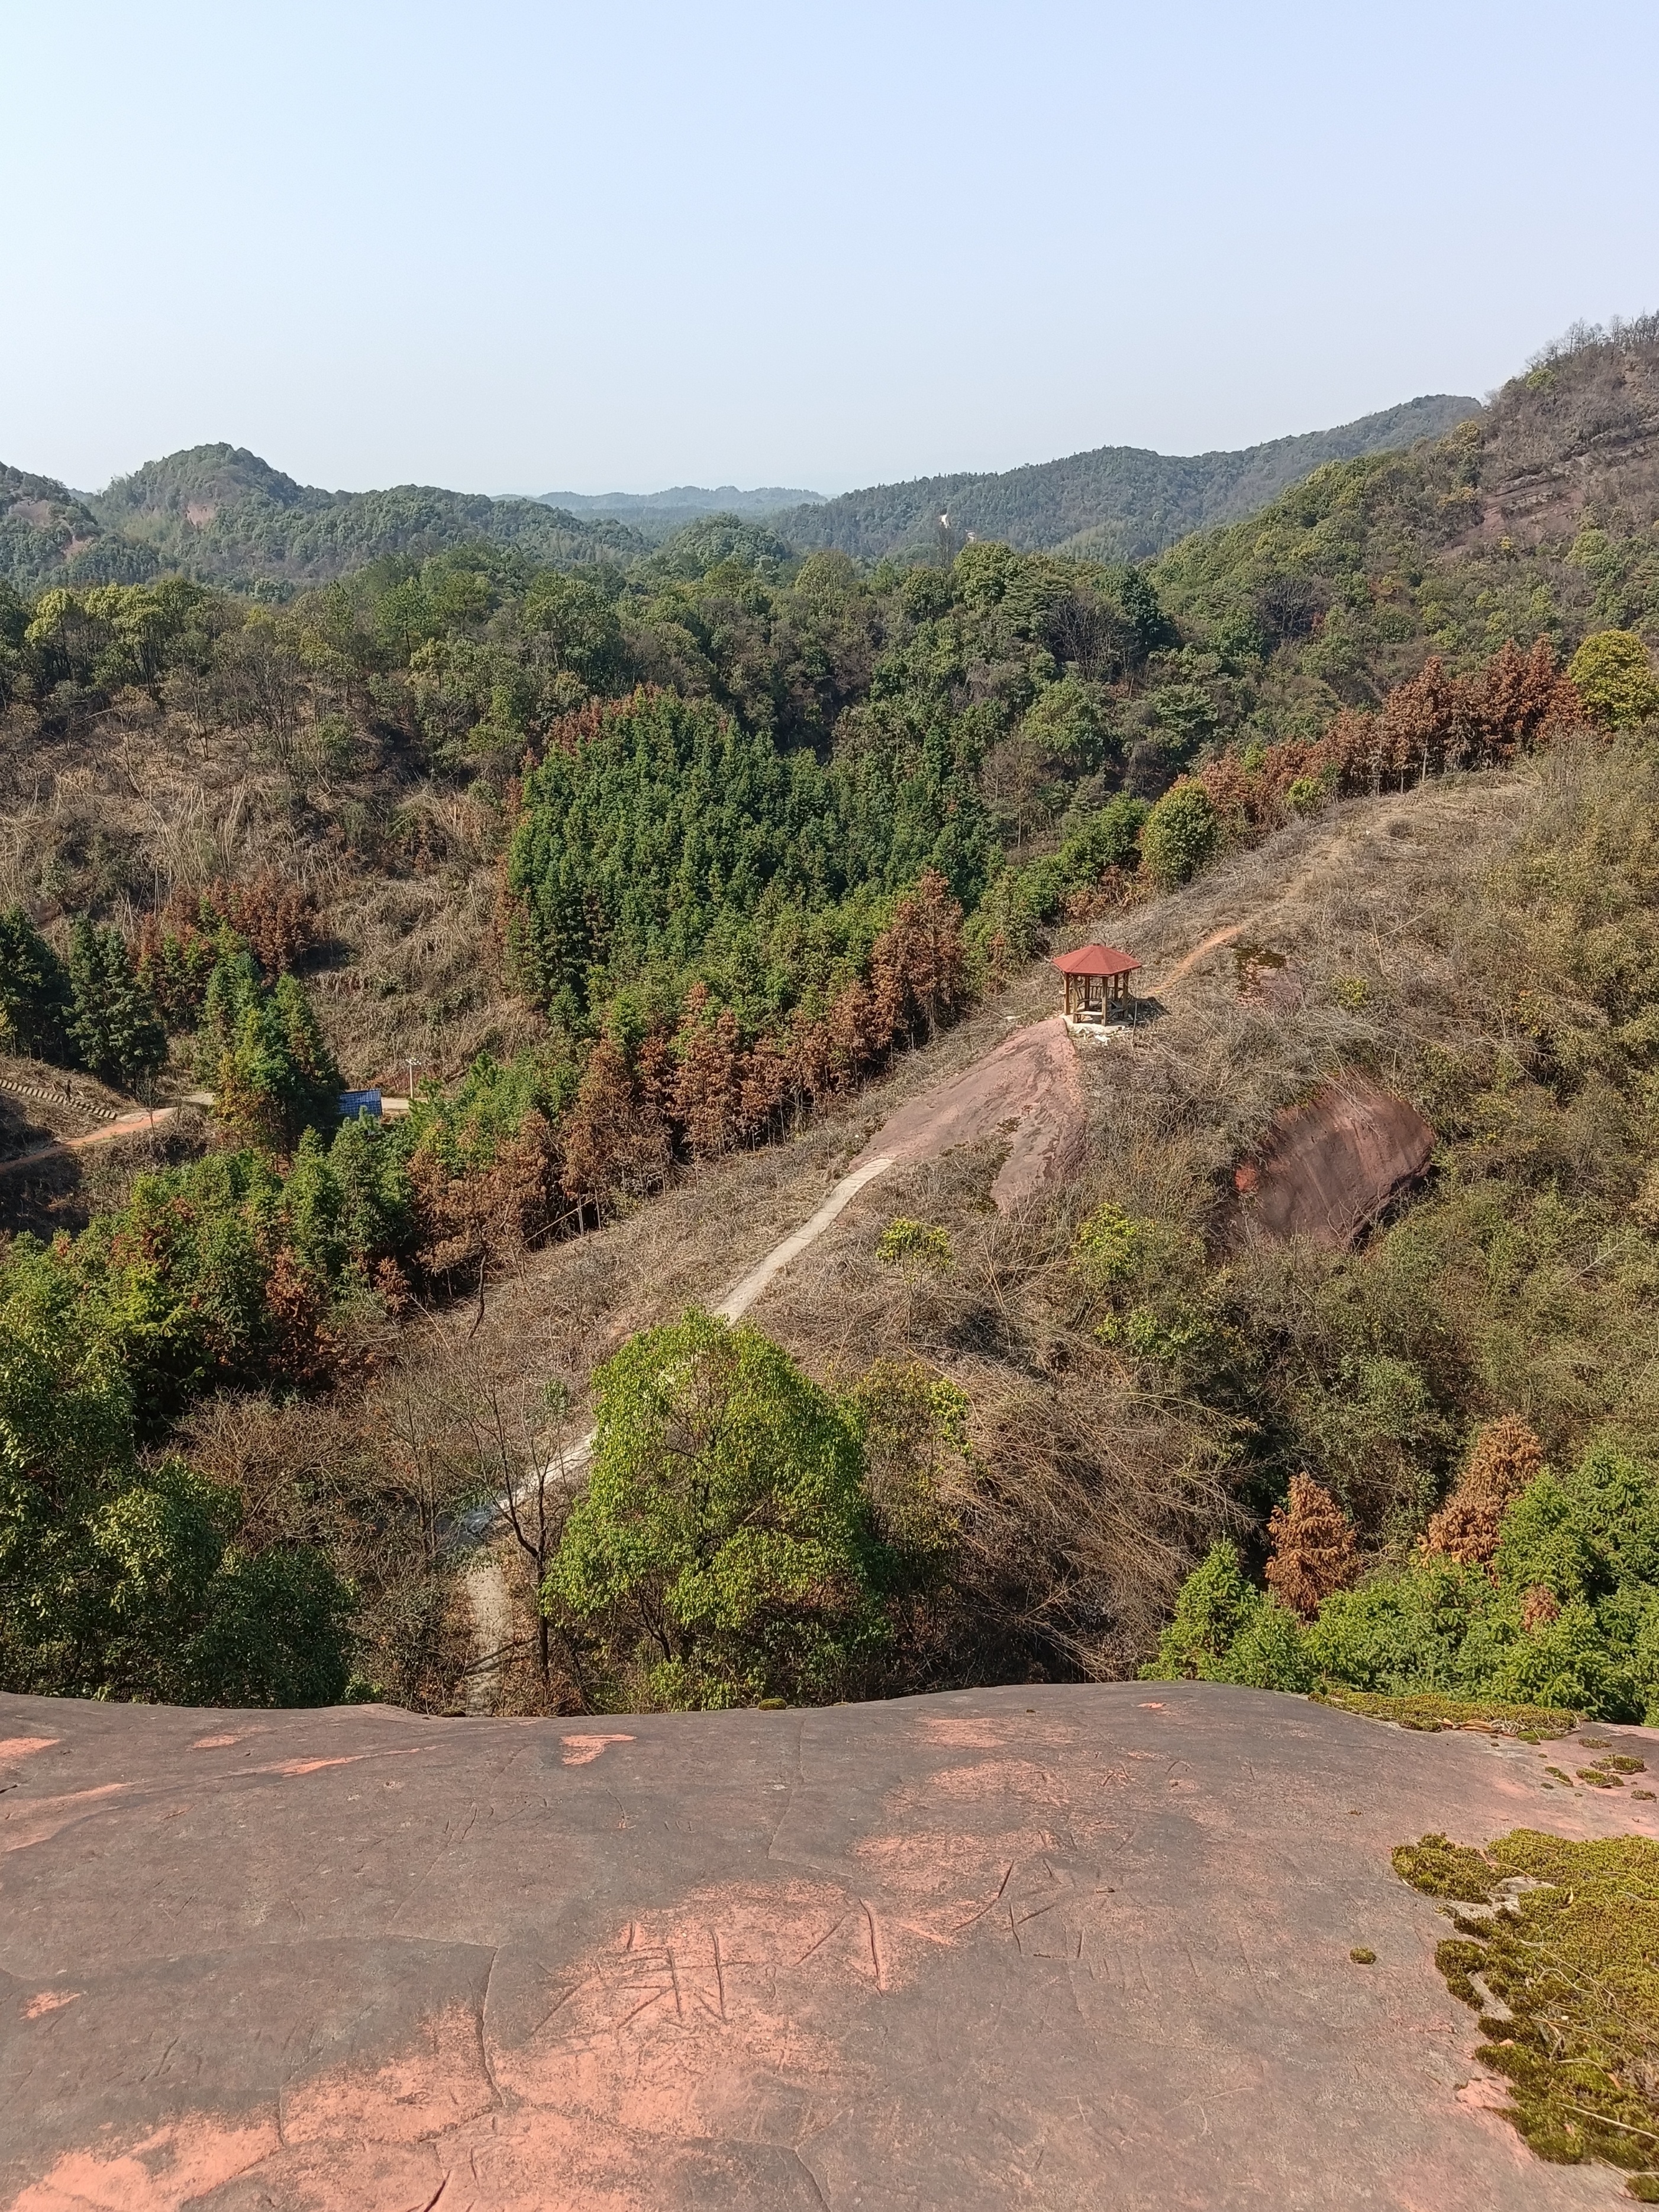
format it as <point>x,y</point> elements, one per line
<point>1027,1087</point>
<point>737,1303</point>
<point>137,1123</point>
<point>492,1631</point>
<point>1217,937</point>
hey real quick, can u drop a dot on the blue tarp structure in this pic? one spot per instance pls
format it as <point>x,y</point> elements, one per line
<point>355,1104</point>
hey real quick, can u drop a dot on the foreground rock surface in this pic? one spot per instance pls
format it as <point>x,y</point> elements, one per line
<point>1057,1947</point>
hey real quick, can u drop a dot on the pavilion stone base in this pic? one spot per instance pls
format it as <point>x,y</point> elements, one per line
<point>1099,1032</point>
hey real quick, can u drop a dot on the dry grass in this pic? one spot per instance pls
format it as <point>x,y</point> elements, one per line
<point>116,815</point>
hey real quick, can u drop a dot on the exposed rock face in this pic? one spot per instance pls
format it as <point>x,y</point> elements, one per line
<point>1068,1947</point>
<point>1028,1089</point>
<point>1330,1166</point>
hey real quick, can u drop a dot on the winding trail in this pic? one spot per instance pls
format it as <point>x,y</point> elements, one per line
<point>486,1581</point>
<point>1027,1088</point>
<point>126,1124</point>
<point>1184,967</point>
<point>737,1303</point>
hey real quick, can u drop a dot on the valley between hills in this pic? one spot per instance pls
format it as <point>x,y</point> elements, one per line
<point>641,1455</point>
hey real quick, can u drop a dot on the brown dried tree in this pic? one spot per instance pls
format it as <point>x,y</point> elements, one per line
<point>613,1140</point>
<point>1539,1608</point>
<point>1314,1551</point>
<point>1503,1460</point>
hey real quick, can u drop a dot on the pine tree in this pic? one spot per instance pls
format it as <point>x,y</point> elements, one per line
<point>1314,1551</point>
<point>116,1031</point>
<point>263,1054</point>
<point>613,1140</point>
<point>708,1094</point>
<point>1505,1456</point>
<point>34,990</point>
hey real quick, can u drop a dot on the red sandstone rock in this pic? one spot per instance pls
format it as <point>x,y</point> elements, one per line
<point>1075,1948</point>
<point>1328,1167</point>
<point>1028,1091</point>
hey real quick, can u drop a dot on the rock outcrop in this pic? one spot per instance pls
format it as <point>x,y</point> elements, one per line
<point>1063,1946</point>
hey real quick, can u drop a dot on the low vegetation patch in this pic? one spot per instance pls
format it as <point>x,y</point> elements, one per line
<point>1564,1973</point>
<point>1430,1712</point>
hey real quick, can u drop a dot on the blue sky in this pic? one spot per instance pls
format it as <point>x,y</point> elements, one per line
<point>513,246</point>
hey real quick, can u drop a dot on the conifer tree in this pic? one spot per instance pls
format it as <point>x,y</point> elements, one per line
<point>1505,1458</point>
<point>612,1138</point>
<point>1314,1551</point>
<point>35,991</point>
<point>265,1056</point>
<point>115,1030</point>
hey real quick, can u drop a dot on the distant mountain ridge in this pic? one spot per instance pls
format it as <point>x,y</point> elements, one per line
<point>222,514</point>
<point>682,502</point>
<point>1118,503</point>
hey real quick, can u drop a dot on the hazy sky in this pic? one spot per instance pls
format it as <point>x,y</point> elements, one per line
<point>500,246</point>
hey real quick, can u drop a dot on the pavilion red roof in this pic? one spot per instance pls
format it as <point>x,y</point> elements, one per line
<point>1095,960</point>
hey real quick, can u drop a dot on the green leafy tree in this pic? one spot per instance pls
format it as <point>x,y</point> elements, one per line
<point>1613,675</point>
<point>1567,1615</point>
<point>1225,1630</point>
<point>723,1546</point>
<point>1181,835</point>
<point>1108,839</point>
<point>122,1580</point>
<point>34,989</point>
<point>115,1027</point>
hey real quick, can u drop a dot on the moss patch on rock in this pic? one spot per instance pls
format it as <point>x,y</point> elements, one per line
<point>1563,1969</point>
<point>1429,1710</point>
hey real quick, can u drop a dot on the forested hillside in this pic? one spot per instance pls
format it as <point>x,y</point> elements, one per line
<point>632,867</point>
<point>47,532</point>
<point>219,515</point>
<point>1118,503</point>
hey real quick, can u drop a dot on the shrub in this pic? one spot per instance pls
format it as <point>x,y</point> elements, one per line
<point>1181,835</point>
<point>1612,674</point>
<point>120,1580</point>
<point>1110,839</point>
<point>1108,1247</point>
<point>1564,1613</point>
<point>1224,1631</point>
<point>915,1248</point>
